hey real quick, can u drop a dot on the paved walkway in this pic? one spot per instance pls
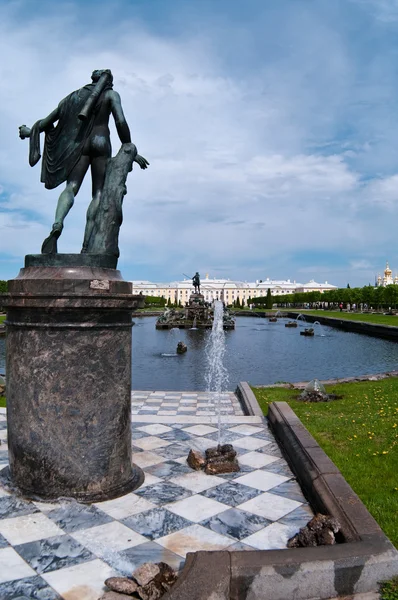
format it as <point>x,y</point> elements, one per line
<point>66,550</point>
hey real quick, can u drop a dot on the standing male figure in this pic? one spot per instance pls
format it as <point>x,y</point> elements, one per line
<point>80,139</point>
<point>196,282</point>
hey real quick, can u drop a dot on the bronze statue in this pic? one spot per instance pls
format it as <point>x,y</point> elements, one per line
<point>196,282</point>
<point>79,140</point>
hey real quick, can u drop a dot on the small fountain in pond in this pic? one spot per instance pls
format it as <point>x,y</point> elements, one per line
<point>222,458</point>
<point>171,342</point>
<point>320,328</point>
<point>300,316</point>
<point>194,324</point>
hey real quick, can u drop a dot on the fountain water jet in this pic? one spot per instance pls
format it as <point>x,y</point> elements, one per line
<point>222,458</point>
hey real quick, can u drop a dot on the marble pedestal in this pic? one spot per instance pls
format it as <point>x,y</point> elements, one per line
<point>69,382</point>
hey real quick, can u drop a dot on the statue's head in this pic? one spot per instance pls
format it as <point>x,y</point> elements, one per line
<point>97,74</point>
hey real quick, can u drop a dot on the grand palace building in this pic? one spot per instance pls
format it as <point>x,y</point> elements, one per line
<point>226,289</point>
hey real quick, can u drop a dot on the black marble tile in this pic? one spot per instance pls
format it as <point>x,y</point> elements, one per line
<point>3,542</point>
<point>147,412</point>
<point>162,493</point>
<point>10,506</point>
<point>29,588</point>
<point>138,435</point>
<point>3,457</point>
<point>174,450</point>
<point>53,553</point>
<point>280,468</point>
<point>176,435</point>
<point>151,552</point>
<point>178,425</point>
<point>74,516</point>
<point>168,469</point>
<point>231,493</point>
<point>236,523</point>
<point>289,489</point>
<point>3,425</point>
<point>156,523</point>
<point>299,517</point>
<point>271,449</point>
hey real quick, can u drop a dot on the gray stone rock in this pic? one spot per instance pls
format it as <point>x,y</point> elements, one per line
<point>123,585</point>
<point>196,460</point>
<point>318,532</point>
<point>145,573</point>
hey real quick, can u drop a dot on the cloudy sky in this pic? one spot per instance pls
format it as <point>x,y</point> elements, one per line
<point>271,128</point>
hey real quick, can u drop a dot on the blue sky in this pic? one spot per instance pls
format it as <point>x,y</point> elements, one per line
<point>271,129</point>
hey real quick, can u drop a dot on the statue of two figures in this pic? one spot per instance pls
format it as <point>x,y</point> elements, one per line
<point>79,140</point>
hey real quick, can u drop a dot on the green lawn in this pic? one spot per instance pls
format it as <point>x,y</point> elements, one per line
<point>366,318</point>
<point>2,318</point>
<point>360,434</point>
<point>2,401</point>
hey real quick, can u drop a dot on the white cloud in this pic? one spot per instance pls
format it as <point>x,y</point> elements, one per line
<point>241,166</point>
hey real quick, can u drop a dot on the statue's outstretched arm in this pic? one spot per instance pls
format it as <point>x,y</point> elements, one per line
<point>120,120</point>
<point>122,127</point>
<point>24,132</point>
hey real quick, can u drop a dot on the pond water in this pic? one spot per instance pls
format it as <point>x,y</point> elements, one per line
<point>256,351</point>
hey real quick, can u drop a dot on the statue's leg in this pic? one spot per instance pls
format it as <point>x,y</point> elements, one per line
<point>98,170</point>
<point>65,203</point>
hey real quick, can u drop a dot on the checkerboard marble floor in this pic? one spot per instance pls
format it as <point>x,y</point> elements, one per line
<point>66,550</point>
<point>184,403</point>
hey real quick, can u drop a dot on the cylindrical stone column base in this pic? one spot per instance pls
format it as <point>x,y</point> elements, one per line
<point>68,369</point>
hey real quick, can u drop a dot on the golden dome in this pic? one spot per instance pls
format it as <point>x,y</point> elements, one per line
<point>387,270</point>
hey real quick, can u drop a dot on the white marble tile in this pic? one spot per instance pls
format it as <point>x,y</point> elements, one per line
<point>192,539</point>
<point>126,506</point>
<point>151,443</point>
<point>167,412</point>
<point>261,480</point>
<point>246,429</point>
<point>80,582</point>
<point>200,430</point>
<point>257,460</point>
<point>147,459</point>
<point>47,506</point>
<point>269,506</point>
<point>150,480</point>
<point>197,481</point>
<point>250,443</point>
<point>12,566</point>
<point>28,528</point>
<point>3,435</point>
<point>109,537</point>
<point>273,537</point>
<point>196,508</point>
<point>155,429</point>
<point>195,420</point>
<point>3,410</point>
<point>170,404</point>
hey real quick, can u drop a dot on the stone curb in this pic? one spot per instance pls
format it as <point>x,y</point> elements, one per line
<point>354,567</point>
<point>248,400</point>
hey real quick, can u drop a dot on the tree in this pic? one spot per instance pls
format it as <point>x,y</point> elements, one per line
<point>3,286</point>
<point>348,285</point>
<point>237,302</point>
<point>169,303</point>
<point>269,302</point>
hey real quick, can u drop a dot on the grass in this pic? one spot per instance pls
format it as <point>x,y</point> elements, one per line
<point>360,434</point>
<point>2,318</point>
<point>389,589</point>
<point>3,401</point>
<point>365,318</point>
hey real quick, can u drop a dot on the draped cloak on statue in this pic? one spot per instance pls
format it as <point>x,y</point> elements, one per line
<point>64,143</point>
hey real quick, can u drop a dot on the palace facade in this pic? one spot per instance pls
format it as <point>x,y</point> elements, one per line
<point>226,289</point>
